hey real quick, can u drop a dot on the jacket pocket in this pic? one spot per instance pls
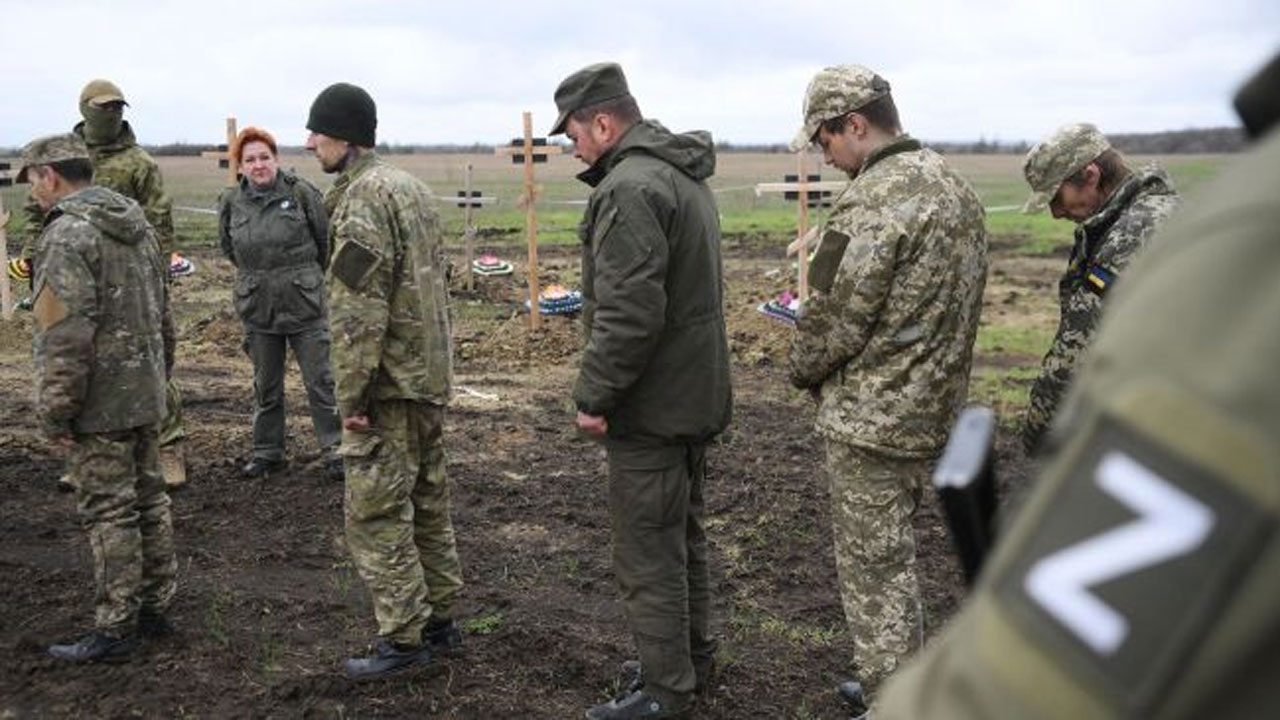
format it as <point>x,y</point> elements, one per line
<point>248,304</point>
<point>310,292</point>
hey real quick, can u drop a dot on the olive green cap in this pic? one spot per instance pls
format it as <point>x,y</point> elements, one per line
<point>100,92</point>
<point>1057,158</point>
<point>833,92</point>
<point>589,86</point>
<point>51,149</point>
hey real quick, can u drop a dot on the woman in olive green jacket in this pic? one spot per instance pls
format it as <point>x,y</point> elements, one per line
<point>275,230</point>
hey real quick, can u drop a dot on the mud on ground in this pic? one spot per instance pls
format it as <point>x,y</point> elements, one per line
<point>269,603</point>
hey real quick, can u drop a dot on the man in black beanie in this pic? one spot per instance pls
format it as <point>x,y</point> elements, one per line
<point>392,369</point>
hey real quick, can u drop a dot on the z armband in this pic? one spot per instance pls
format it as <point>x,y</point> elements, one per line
<point>354,263</point>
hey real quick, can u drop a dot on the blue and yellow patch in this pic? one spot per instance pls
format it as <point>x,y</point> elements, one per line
<point>1099,279</point>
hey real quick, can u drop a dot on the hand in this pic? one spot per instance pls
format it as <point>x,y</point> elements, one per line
<point>592,425</point>
<point>357,423</point>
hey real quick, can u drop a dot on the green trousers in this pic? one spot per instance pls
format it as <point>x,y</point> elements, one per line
<point>123,506</point>
<point>267,350</point>
<point>398,527</point>
<point>656,513</point>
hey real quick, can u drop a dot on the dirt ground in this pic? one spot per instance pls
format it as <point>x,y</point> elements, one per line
<point>269,603</point>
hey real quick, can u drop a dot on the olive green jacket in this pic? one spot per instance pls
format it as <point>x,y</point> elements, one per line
<point>278,239</point>
<point>388,303</point>
<point>1140,577</point>
<point>124,167</point>
<point>103,336</point>
<point>656,362</point>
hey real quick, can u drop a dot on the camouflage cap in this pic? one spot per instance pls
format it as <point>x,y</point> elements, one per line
<point>1057,158</point>
<point>833,92</point>
<point>589,86</point>
<point>51,149</point>
<point>100,92</point>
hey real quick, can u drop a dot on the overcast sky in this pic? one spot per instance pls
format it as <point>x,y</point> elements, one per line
<point>461,72</point>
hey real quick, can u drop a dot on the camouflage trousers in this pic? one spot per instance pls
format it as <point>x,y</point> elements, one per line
<point>171,430</point>
<point>656,513</point>
<point>398,527</point>
<point>123,506</point>
<point>267,350</point>
<point>873,498</point>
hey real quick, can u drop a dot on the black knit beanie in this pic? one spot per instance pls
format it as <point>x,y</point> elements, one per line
<point>346,112</point>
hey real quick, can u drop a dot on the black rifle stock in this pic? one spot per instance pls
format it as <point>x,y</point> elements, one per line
<point>965,481</point>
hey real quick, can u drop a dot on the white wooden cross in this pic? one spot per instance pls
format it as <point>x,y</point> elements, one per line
<point>469,199</point>
<point>808,191</point>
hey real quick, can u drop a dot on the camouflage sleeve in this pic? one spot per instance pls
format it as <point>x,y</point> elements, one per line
<point>156,204</point>
<point>833,328</point>
<point>317,218</point>
<point>224,224</point>
<point>361,280</point>
<point>65,314</point>
<point>33,214</point>
<point>631,301</point>
<point>1075,330</point>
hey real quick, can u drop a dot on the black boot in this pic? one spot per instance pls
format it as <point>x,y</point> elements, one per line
<point>637,705</point>
<point>442,635</point>
<point>152,624</point>
<point>262,467</point>
<point>851,692</point>
<point>96,646</point>
<point>386,659</point>
<point>334,469</point>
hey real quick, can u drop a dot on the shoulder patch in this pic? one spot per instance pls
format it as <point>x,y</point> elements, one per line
<point>1098,279</point>
<point>826,260</point>
<point>354,262</point>
<point>1133,565</point>
<point>48,308</point>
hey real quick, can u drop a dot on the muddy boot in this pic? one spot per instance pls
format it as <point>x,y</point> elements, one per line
<point>96,646</point>
<point>637,705</point>
<point>334,469</point>
<point>65,483</point>
<point>442,635</point>
<point>851,692</point>
<point>387,658</point>
<point>262,467</point>
<point>173,465</point>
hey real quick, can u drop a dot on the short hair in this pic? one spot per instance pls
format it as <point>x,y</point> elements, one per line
<point>881,112</point>
<point>252,134</point>
<point>1112,170</point>
<point>77,171</point>
<point>623,108</point>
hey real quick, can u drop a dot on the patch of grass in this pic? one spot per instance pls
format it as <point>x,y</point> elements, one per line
<point>219,604</point>
<point>751,618</point>
<point>484,624</point>
<point>1013,339</point>
<point>1036,234</point>
<point>1004,390</point>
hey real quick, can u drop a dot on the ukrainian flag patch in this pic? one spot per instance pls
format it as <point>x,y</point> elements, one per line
<point>1099,279</point>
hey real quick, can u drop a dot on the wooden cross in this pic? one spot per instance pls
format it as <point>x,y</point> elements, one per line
<point>6,174</point>
<point>522,152</point>
<point>223,154</point>
<point>814,193</point>
<point>469,199</point>
<point>6,292</point>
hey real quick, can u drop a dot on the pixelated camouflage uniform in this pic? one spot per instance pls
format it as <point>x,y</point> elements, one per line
<point>278,239</point>
<point>888,348</point>
<point>1105,245</point>
<point>127,169</point>
<point>392,361</point>
<point>102,340</point>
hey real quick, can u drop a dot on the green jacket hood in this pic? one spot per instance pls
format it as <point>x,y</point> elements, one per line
<point>113,214</point>
<point>125,140</point>
<point>692,153</point>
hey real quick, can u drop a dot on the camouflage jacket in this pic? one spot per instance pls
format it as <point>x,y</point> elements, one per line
<point>388,304</point>
<point>103,337</point>
<point>278,239</point>
<point>890,343</point>
<point>124,167</point>
<point>656,362</point>
<point>1105,244</point>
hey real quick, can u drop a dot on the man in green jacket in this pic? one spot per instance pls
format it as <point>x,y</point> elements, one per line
<point>885,345</point>
<point>103,344</point>
<point>654,380</point>
<point>393,375</point>
<point>1078,175</point>
<point>119,164</point>
<point>1139,578</point>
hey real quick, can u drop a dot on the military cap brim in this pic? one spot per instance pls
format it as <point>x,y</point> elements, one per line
<point>589,86</point>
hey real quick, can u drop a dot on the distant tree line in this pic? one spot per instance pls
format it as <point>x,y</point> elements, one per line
<point>1199,140</point>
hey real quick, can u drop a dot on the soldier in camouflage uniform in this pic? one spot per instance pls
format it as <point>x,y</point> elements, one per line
<point>275,229</point>
<point>103,344</point>
<point>1139,578</point>
<point>654,383</point>
<point>392,365</point>
<point>1077,174</point>
<point>885,344</point>
<point>120,165</point>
